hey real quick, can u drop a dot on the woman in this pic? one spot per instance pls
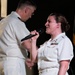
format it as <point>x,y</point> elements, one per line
<point>55,55</point>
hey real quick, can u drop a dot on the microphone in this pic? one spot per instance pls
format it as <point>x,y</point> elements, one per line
<point>40,31</point>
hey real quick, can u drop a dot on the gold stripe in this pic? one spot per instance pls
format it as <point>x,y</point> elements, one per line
<point>74,39</point>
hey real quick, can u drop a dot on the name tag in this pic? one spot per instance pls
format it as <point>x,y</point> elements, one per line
<point>54,43</point>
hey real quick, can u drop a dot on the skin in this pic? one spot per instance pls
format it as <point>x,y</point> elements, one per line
<point>52,27</point>
<point>26,12</point>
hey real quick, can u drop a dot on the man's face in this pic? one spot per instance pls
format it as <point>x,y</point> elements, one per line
<point>29,11</point>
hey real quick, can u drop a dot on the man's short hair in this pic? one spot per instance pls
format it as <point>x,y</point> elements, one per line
<point>23,3</point>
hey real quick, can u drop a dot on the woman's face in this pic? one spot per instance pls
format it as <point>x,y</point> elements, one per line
<point>51,25</point>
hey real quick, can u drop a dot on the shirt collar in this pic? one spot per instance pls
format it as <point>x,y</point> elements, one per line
<point>60,35</point>
<point>16,14</point>
<point>56,40</point>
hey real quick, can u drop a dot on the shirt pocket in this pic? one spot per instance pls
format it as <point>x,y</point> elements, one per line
<point>50,53</point>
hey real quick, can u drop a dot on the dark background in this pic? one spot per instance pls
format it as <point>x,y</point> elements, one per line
<point>44,8</point>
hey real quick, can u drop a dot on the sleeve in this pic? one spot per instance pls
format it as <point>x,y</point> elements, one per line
<point>66,50</point>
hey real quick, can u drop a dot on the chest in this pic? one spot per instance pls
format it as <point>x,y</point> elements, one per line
<point>48,51</point>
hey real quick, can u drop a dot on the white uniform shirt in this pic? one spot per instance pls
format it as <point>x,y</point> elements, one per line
<point>53,51</point>
<point>10,40</point>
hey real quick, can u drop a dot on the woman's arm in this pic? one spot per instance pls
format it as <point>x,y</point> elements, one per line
<point>63,67</point>
<point>33,52</point>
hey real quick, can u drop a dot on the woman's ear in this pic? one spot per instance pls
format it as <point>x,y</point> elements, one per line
<point>59,25</point>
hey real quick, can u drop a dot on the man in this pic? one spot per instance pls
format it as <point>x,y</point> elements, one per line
<point>14,29</point>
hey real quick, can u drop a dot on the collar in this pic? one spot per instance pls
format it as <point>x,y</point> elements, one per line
<point>56,40</point>
<point>20,19</point>
<point>58,36</point>
<point>15,14</point>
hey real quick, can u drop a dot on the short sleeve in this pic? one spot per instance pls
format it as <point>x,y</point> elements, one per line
<point>66,50</point>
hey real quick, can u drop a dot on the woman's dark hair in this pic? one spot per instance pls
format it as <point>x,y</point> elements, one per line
<point>61,19</point>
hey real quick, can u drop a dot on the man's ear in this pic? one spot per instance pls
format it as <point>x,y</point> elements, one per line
<point>26,9</point>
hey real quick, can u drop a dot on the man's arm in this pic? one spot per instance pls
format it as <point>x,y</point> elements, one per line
<point>27,44</point>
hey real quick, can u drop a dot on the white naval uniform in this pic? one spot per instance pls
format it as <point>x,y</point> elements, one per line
<point>10,43</point>
<point>53,51</point>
